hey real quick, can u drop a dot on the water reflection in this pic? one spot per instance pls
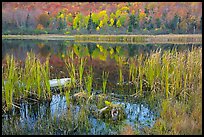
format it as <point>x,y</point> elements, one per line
<point>31,113</point>
<point>19,48</point>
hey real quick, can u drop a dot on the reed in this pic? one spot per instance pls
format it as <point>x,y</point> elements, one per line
<point>46,74</point>
<point>29,80</point>
<point>89,81</point>
<point>81,70</point>
<point>105,79</point>
<point>140,73</point>
<point>71,68</point>
<point>120,64</point>
<point>67,96</point>
<point>38,79</point>
<point>10,81</point>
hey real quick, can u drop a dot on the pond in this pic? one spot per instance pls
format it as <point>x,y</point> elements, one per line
<point>102,57</point>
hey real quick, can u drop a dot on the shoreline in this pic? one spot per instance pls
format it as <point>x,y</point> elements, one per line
<point>167,38</point>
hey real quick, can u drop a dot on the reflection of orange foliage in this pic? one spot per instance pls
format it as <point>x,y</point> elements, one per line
<point>40,27</point>
<point>56,61</point>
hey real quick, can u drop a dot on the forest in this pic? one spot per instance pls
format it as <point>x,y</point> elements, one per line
<point>101,18</point>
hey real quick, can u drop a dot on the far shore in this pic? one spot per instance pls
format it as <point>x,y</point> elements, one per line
<point>167,38</point>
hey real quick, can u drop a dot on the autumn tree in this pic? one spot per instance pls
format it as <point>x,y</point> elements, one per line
<point>44,19</point>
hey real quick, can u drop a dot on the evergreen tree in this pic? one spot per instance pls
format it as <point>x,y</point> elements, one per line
<point>174,23</point>
<point>27,20</point>
<point>201,24</point>
<point>90,24</point>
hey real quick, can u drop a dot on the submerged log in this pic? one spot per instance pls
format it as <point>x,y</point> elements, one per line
<point>59,82</point>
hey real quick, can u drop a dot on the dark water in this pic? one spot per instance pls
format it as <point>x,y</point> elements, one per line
<point>138,114</point>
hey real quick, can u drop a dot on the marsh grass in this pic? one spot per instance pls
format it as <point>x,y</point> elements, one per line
<point>105,79</point>
<point>172,77</point>
<point>89,81</point>
<point>71,67</point>
<point>29,80</point>
<point>11,80</point>
<point>81,71</point>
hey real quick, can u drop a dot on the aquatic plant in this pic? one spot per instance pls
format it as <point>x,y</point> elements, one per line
<point>89,81</point>
<point>105,79</point>
<point>71,68</point>
<point>81,70</point>
<point>9,82</point>
<point>46,74</point>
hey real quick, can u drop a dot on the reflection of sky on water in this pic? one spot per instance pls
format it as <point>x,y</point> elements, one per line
<point>136,114</point>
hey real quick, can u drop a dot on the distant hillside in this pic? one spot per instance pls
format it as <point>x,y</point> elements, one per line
<point>105,17</point>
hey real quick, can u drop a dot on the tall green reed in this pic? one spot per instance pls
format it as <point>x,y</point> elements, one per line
<point>71,68</point>
<point>89,81</point>
<point>105,79</point>
<point>10,81</point>
<point>81,70</point>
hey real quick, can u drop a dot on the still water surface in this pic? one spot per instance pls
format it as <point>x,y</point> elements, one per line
<point>138,114</point>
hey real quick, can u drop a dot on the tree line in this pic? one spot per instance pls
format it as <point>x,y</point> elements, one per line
<point>122,18</point>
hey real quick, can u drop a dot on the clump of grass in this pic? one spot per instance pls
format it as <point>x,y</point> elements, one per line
<point>30,80</point>
<point>11,79</point>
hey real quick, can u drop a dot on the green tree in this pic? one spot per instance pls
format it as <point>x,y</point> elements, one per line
<point>27,20</point>
<point>132,23</point>
<point>173,25</point>
<point>61,21</point>
<point>90,24</point>
<point>158,23</point>
<point>201,23</point>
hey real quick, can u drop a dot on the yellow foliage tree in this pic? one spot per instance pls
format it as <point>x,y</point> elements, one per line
<point>142,15</point>
<point>118,24</point>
